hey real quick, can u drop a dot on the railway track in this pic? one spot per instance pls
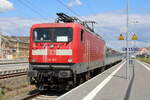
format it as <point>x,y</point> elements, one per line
<point>10,70</point>
<point>46,95</point>
<point>41,97</point>
<point>30,97</point>
<point>2,62</point>
<point>12,75</point>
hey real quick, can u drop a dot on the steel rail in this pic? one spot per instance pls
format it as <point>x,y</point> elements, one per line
<point>31,96</point>
<point>12,75</point>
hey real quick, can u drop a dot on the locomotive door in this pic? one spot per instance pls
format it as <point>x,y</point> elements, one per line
<point>88,53</point>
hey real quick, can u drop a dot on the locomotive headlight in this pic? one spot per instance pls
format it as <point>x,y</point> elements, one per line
<point>33,60</point>
<point>69,60</point>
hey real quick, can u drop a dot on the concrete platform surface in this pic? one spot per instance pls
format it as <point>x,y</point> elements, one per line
<point>114,85</point>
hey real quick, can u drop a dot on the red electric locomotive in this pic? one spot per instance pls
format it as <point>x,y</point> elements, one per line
<point>64,53</point>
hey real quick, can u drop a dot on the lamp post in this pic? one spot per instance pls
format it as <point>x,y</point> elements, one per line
<point>127,39</point>
<point>1,45</point>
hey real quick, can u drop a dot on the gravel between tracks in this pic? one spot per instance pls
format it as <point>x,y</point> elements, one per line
<point>15,87</point>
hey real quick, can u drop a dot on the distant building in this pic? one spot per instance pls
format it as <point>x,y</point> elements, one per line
<point>110,51</point>
<point>144,51</point>
<point>12,47</point>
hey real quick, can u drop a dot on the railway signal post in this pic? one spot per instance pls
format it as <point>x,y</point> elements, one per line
<point>122,38</point>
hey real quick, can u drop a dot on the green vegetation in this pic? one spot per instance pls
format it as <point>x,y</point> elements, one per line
<point>145,59</point>
<point>1,94</point>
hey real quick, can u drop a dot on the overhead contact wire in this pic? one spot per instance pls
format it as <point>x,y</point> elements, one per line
<point>59,1</point>
<point>32,9</point>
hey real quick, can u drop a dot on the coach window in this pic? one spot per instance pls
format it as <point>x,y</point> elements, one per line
<point>82,35</point>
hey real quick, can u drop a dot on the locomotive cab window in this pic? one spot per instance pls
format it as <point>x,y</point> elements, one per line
<point>52,34</point>
<point>82,35</point>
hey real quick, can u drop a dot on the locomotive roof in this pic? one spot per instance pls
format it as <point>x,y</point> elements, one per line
<point>55,25</point>
<point>43,25</point>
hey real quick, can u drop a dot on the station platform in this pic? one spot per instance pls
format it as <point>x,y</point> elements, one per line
<point>113,84</point>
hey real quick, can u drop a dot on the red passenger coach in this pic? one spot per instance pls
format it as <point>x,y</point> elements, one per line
<point>63,53</point>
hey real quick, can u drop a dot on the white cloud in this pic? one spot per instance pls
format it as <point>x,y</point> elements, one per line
<point>111,24</point>
<point>5,5</point>
<point>18,26</point>
<point>109,27</point>
<point>119,45</point>
<point>74,3</point>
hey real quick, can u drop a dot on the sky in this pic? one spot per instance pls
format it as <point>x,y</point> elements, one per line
<point>17,16</point>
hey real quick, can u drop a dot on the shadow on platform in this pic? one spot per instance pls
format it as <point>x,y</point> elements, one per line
<point>128,92</point>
